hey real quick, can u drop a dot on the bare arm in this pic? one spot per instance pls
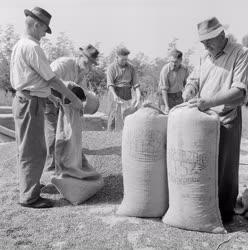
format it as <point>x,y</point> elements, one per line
<point>138,96</point>
<point>229,97</point>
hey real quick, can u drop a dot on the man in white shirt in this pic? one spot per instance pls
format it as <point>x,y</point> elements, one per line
<point>32,78</point>
<point>220,83</point>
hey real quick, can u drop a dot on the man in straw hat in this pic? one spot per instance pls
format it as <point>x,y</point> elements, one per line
<point>121,78</point>
<point>220,82</point>
<point>172,81</point>
<point>73,69</point>
<point>32,78</point>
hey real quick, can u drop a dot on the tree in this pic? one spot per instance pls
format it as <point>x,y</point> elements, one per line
<point>8,38</point>
<point>245,41</point>
<point>63,46</point>
<point>231,38</point>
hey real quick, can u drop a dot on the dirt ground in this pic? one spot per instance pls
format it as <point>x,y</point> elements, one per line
<point>94,224</point>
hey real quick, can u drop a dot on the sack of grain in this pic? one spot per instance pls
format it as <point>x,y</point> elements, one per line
<point>192,167</point>
<point>144,164</point>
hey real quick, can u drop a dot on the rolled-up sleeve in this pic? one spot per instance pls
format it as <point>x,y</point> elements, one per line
<point>240,72</point>
<point>110,76</point>
<point>163,79</point>
<point>38,61</point>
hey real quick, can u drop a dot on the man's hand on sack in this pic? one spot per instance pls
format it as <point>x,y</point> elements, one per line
<point>117,99</point>
<point>56,101</point>
<point>166,110</point>
<point>200,103</point>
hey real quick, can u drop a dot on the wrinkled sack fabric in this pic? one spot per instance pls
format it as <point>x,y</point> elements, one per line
<point>75,179</point>
<point>144,164</point>
<point>192,167</point>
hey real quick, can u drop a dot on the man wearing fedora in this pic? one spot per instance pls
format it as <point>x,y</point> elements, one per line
<point>121,78</point>
<point>32,78</point>
<point>73,69</point>
<point>220,83</point>
<point>172,80</point>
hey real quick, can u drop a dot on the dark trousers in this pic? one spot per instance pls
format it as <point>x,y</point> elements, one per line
<point>173,99</point>
<point>229,150</point>
<point>51,120</point>
<point>28,114</point>
<point>124,93</point>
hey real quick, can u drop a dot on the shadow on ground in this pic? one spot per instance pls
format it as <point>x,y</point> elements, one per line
<point>116,150</point>
<point>111,193</point>
<point>239,224</point>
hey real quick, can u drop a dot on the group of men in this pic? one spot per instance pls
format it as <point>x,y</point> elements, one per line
<point>219,82</point>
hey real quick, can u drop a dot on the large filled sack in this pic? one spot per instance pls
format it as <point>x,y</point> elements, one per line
<point>144,164</point>
<point>192,167</point>
<point>75,179</point>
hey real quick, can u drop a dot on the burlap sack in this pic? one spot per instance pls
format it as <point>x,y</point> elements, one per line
<point>144,164</point>
<point>192,166</point>
<point>75,178</point>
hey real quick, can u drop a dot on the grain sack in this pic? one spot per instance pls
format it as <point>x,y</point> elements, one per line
<point>192,167</point>
<point>144,164</point>
<point>75,179</point>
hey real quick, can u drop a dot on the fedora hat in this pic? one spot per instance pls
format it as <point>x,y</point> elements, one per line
<point>209,29</point>
<point>41,15</point>
<point>90,52</point>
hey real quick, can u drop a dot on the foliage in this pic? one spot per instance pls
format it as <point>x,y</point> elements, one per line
<point>245,41</point>
<point>63,46</point>
<point>148,71</point>
<point>8,38</point>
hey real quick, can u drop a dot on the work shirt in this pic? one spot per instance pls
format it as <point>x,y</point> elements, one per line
<point>121,76</point>
<point>173,81</point>
<point>29,68</point>
<point>67,69</point>
<point>215,75</point>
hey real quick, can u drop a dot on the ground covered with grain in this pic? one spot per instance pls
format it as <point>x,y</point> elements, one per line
<point>94,224</point>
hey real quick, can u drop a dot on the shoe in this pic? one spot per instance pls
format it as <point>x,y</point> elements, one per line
<point>40,203</point>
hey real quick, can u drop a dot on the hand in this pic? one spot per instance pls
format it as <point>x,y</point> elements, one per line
<point>117,99</point>
<point>188,94</point>
<point>135,103</point>
<point>56,101</point>
<point>166,110</point>
<point>200,103</point>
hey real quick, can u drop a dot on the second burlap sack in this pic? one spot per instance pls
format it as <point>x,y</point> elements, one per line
<point>192,165</point>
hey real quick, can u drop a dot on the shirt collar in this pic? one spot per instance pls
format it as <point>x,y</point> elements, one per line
<point>31,38</point>
<point>227,48</point>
